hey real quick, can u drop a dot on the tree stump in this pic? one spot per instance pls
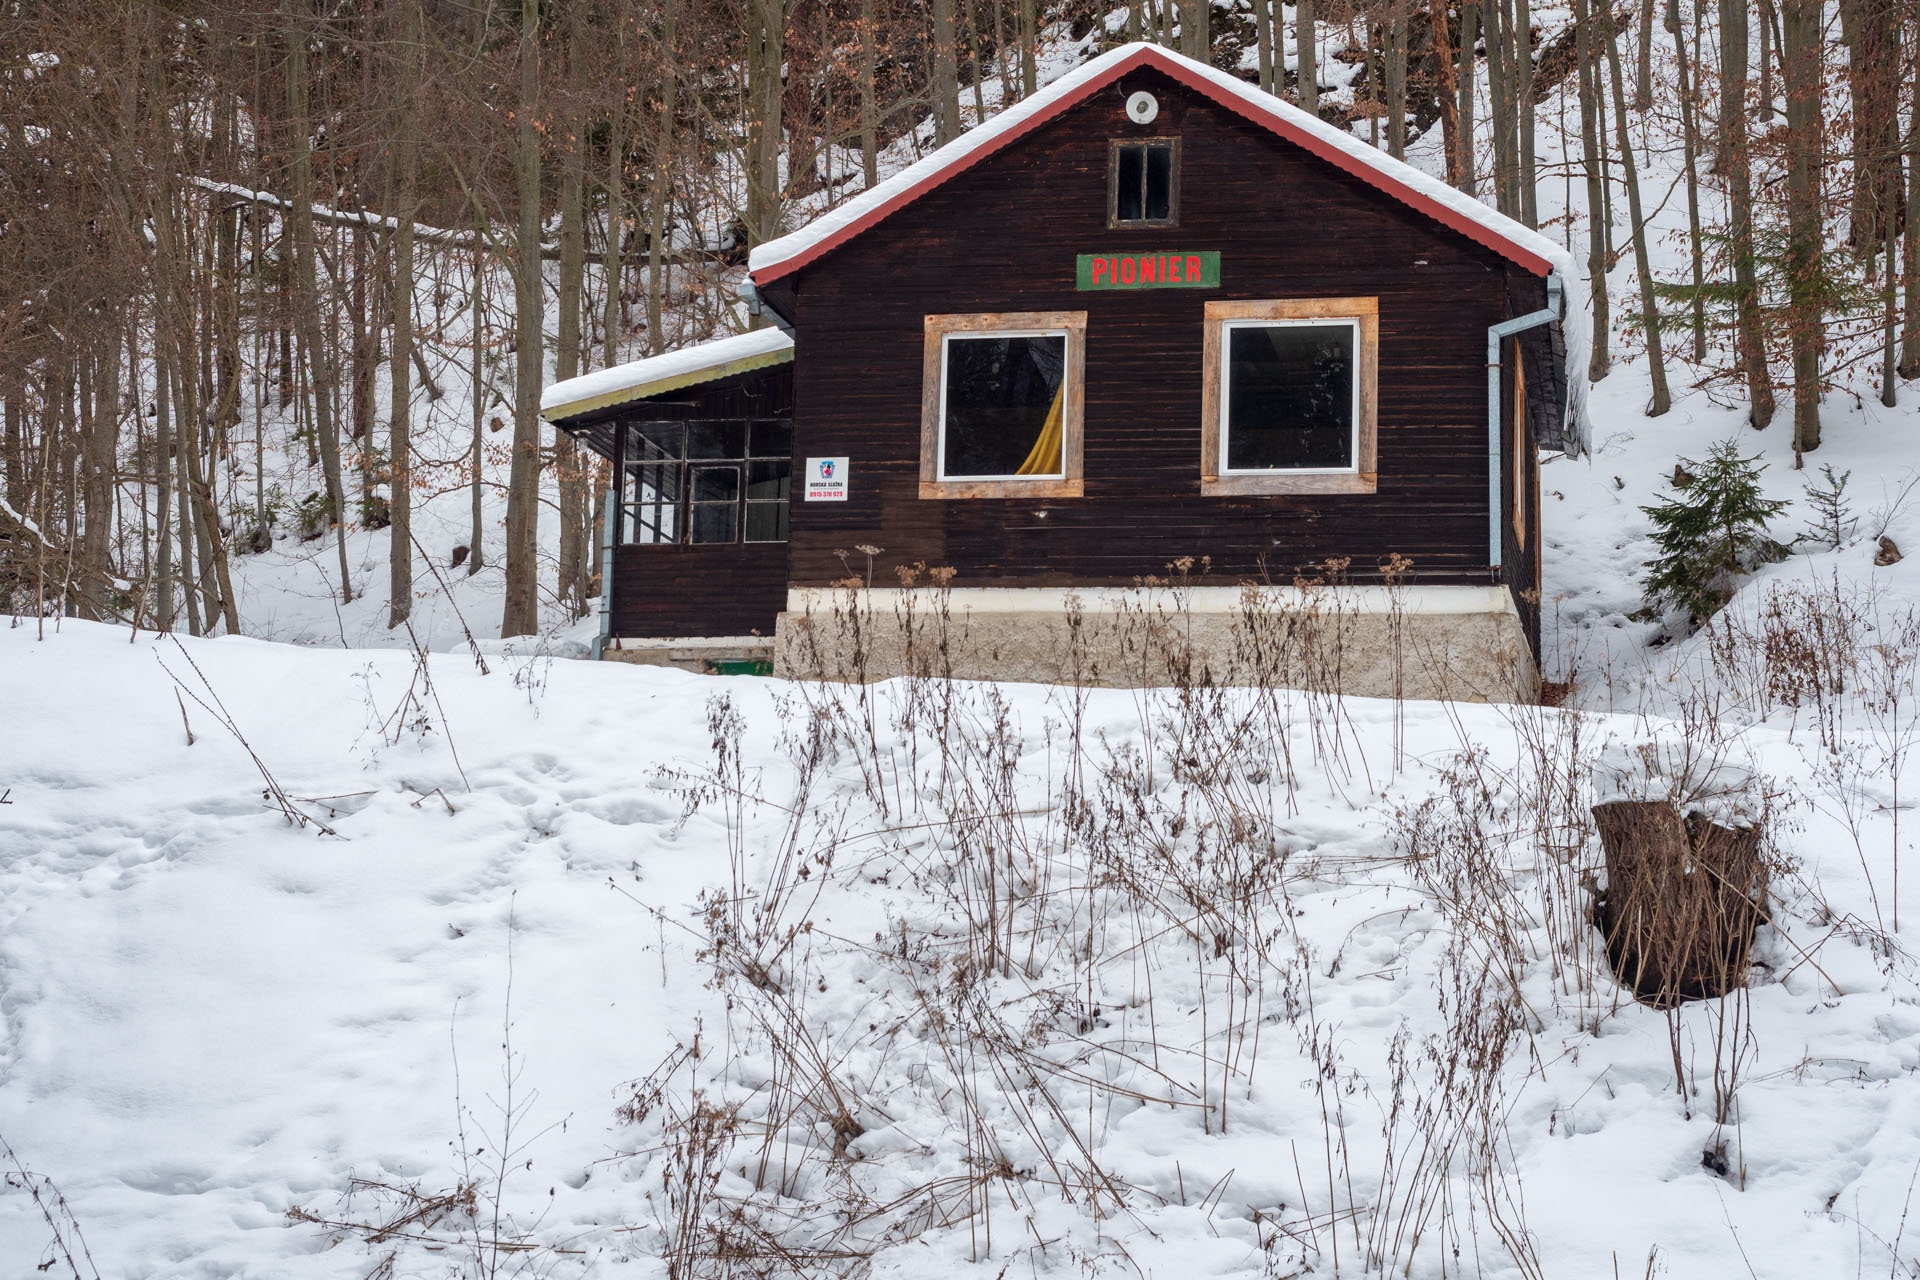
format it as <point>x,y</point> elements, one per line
<point>1684,896</point>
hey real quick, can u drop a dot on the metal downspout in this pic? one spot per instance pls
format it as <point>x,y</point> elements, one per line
<point>1496,337</point>
<point>609,518</point>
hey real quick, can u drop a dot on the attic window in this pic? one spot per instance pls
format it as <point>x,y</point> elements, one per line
<point>1143,182</point>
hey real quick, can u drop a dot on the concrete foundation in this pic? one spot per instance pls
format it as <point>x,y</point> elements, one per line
<point>704,654</point>
<point>1460,643</point>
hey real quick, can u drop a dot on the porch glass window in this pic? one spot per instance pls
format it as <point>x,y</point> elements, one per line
<point>707,483</point>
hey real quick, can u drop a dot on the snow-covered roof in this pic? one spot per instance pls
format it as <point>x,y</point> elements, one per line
<point>1486,226</point>
<point>638,379</point>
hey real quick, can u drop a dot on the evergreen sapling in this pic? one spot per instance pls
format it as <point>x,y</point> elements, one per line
<point>1712,531</point>
<point>1832,523</point>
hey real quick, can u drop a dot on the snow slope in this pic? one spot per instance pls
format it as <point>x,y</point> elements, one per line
<point>212,1016</point>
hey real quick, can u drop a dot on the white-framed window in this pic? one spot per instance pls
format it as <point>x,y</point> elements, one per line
<point>1288,405</point>
<point>1001,405</point>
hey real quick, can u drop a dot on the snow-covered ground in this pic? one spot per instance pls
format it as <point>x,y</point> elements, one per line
<point>214,1016</point>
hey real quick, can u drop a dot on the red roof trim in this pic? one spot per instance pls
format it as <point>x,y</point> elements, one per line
<point>1164,62</point>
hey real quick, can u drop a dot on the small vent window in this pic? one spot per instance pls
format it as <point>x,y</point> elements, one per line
<point>1143,184</point>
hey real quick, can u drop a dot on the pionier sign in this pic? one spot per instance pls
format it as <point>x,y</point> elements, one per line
<point>1161,269</point>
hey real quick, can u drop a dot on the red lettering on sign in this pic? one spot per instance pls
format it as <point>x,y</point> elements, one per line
<point>1193,270</point>
<point>1173,271</point>
<point>1099,269</point>
<point>1149,271</point>
<point>1129,271</point>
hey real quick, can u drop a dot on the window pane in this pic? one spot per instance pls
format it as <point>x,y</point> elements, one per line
<point>772,440</point>
<point>717,440</point>
<point>766,522</point>
<point>657,483</point>
<point>1127,179</point>
<point>1159,183</point>
<point>768,480</point>
<point>1004,399</point>
<point>716,484</point>
<point>649,441</point>
<point>713,521</point>
<point>1289,396</point>
<point>653,524</point>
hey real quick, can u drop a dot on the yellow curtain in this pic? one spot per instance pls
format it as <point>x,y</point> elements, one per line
<point>1045,458</point>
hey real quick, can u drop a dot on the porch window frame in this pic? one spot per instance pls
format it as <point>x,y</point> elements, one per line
<point>681,508</point>
<point>1216,478</point>
<point>1069,483</point>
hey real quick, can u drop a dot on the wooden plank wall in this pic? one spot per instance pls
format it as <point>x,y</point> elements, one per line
<point>1003,236</point>
<point>668,591</point>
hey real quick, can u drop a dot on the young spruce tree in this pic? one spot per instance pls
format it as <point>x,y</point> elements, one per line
<point>1712,531</point>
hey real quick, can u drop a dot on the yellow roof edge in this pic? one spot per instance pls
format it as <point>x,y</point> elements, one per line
<point>673,382</point>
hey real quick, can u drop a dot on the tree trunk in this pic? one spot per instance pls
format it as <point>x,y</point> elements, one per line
<point>520,615</point>
<point>1690,150</point>
<point>1396,80</point>
<point>400,424</point>
<point>1029,49</point>
<point>476,539</point>
<point>573,272</point>
<point>1872,33</point>
<point>869,91</point>
<point>1466,178</point>
<point>1800,48</point>
<point>1307,53</point>
<point>946,74</point>
<point>307,292</point>
<point>1262,40</point>
<point>1910,242</point>
<point>1643,62</point>
<point>1529,168</point>
<point>1591,156</point>
<point>1661,400</point>
<point>611,257</point>
<point>662,182</point>
<point>1736,168</point>
<point>1447,90</point>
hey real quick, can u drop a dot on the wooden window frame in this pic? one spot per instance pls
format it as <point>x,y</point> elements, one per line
<point>1364,476</point>
<point>1114,221</point>
<point>1069,484</point>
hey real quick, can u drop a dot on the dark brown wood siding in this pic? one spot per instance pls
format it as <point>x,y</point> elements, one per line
<point>1003,236</point>
<point>698,591</point>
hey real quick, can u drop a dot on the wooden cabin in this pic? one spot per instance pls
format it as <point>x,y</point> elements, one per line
<point>1148,325</point>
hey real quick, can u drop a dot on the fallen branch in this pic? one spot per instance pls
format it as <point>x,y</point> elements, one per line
<point>293,813</point>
